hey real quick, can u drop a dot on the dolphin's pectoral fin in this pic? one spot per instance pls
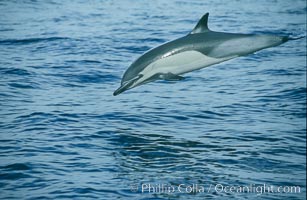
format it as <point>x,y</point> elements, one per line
<point>171,77</point>
<point>165,76</point>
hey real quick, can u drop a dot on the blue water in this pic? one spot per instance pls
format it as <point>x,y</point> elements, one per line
<point>64,136</point>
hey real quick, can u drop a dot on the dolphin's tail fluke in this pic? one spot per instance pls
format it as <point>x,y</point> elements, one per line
<point>287,38</point>
<point>296,38</point>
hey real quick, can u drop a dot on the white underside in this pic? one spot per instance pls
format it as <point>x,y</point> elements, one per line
<point>179,64</point>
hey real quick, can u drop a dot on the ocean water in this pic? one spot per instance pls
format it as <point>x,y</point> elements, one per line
<point>63,135</point>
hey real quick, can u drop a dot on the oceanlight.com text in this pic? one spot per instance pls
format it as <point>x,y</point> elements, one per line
<point>257,189</point>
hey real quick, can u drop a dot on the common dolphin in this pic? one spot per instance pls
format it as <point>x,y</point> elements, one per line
<point>200,48</point>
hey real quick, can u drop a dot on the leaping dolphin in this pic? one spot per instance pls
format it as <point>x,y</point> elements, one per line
<point>200,48</point>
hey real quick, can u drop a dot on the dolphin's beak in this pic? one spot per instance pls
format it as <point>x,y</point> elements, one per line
<point>121,89</point>
<point>127,85</point>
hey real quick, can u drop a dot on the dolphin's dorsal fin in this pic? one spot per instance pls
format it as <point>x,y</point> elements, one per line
<point>202,25</point>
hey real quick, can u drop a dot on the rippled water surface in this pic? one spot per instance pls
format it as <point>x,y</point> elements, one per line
<point>64,136</point>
